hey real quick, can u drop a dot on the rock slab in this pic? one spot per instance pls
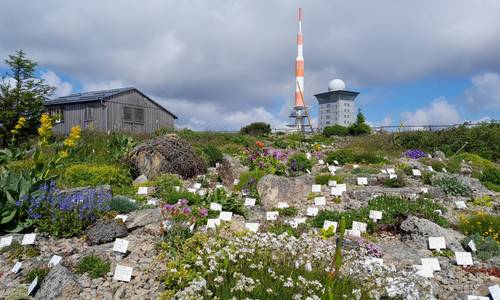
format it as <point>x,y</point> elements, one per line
<point>143,217</point>
<point>273,189</point>
<point>105,231</point>
<point>58,283</point>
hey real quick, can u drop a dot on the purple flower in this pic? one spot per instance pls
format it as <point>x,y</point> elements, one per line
<point>183,202</point>
<point>203,212</point>
<point>169,207</point>
<point>414,153</point>
<point>186,210</point>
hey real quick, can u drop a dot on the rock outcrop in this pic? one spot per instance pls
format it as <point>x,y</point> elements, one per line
<point>166,154</point>
<point>105,231</point>
<point>273,189</point>
<point>58,283</point>
<point>230,169</point>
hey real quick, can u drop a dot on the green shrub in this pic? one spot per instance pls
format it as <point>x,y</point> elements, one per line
<point>483,201</point>
<point>256,129</point>
<point>337,130</point>
<point>486,247</point>
<point>40,272</point>
<point>122,204</point>
<point>481,223</point>
<point>286,212</point>
<point>229,202</point>
<point>477,163</point>
<point>174,197</point>
<point>360,127</point>
<point>79,175</point>
<point>165,185</point>
<point>392,207</point>
<point>491,179</point>
<point>93,265</point>
<point>395,182</point>
<point>344,156</point>
<point>248,182</point>
<point>323,179</point>
<point>16,251</point>
<point>298,162</point>
<point>212,154</point>
<point>450,185</point>
<point>437,165</point>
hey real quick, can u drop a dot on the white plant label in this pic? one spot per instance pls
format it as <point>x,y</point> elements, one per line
<point>352,232</point>
<point>282,205</point>
<point>143,190</point>
<point>375,215</point>
<point>191,190</point>
<point>244,192</point>
<point>424,190</point>
<point>5,241</point>
<point>432,263</point>
<point>212,223</point>
<point>423,271</point>
<point>332,183</point>
<point>120,245</point>
<point>472,246</point>
<point>460,204</point>
<point>122,217</point>
<point>308,172</point>
<point>430,168</point>
<point>391,171</point>
<point>332,168</point>
<point>428,155</point>
<point>335,191</point>
<point>197,186</point>
<point>177,188</point>
<point>316,188</point>
<point>254,227</point>
<point>202,192</point>
<point>445,171</point>
<point>28,239</point>
<point>384,171</point>
<point>33,285</point>
<point>219,186</point>
<point>474,297</point>
<point>416,172</point>
<point>236,182</point>
<point>215,206</point>
<point>355,166</point>
<point>320,201</point>
<point>494,292</point>
<point>150,202</point>
<point>123,273</point>
<point>55,260</point>
<point>17,267</point>
<point>336,162</point>
<point>225,216</point>
<point>463,258</point>
<point>359,226</point>
<point>321,162</point>
<point>328,224</point>
<point>393,176</point>
<point>272,215</point>
<point>362,181</point>
<point>437,243</point>
<point>308,155</point>
<point>250,201</point>
<point>312,211</point>
<point>439,212</point>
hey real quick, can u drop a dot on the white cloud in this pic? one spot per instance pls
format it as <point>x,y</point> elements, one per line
<point>97,86</point>
<point>485,91</point>
<point>62,88</point>
<point>387,121</point>
<point>210,116</point>
<point>439,112</point>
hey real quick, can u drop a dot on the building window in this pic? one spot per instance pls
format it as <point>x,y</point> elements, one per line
<point>327,122</point>
<point>328,105</point>
<point>87,114</point>
<point>133,115</point>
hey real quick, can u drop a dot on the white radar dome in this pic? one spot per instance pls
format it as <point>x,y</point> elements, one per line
<point>336,85</point>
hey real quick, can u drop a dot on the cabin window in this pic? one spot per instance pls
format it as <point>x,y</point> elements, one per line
<point>133,115</point>
<point>87,116</point>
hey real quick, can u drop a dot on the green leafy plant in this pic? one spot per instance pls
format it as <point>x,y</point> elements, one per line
<point>333,130</point>
<point>122,204</point>
<point>229,201</point>
<point>483,201</point>
<point>120,145</point>
<point>395,182</point>
<point>286,212</point>
<point>40,272</point>
<point>298,163</point>
<point>344,156</point>
<point>16,251</point>
<point>79,175</point>
<point>491,179</point>
<point>165,185</point>
<point>445,253</point>
<point>192,198</point>
<point>93,265</point>
<point>323,179</point>
<point>256,129</point>
<point>481,223</point>
<point>212,154</point>
<point>450,185</point>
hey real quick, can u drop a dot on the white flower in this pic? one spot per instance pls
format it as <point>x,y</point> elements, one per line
<point>308,266</point>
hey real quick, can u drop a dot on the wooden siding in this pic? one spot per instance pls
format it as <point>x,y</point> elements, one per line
<point>74,114</point>
<point>154,116</point>
<point>108,116</point>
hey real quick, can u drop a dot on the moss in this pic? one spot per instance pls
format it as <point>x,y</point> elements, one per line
<point>93,265</point>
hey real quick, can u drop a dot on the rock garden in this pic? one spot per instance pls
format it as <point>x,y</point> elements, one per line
<point>201,215</point>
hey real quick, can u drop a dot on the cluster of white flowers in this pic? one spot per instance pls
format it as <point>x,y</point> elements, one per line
<point>243,283</point>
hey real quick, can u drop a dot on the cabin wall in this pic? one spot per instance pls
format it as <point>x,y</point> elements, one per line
<point>74,114</point>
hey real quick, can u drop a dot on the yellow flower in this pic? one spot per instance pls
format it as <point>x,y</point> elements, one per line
<point>45,129</point>
<point>73,137</point>
<point>20,124</point>
<point>63,153</point>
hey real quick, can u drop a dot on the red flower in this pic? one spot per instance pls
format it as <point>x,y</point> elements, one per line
<point>259,144</point>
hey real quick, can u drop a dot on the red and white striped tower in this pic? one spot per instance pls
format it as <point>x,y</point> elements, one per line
<point>299,66</point>
<point>299,111</point>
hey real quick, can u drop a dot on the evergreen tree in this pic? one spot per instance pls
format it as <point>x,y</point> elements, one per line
<point>21,95</point>
<point>360,127</point>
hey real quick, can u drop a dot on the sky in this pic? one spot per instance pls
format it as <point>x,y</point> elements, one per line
<point>219,65</point>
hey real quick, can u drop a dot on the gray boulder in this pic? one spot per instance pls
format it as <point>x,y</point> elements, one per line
<point>465,169</point>
<point>230,169</point>
<point>105,231</point>
<point>419,230</point>
<point>58,284</point>
<point>293,190</point>
<point>439,154</point>
<point>97,190</point>
<point>167,154</point>
<point>143,217</point>
<point>140,179</point>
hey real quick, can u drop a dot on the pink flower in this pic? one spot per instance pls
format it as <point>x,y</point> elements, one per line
<point>183,202</point>
<point>186,210</point>
<point>203,212</point>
